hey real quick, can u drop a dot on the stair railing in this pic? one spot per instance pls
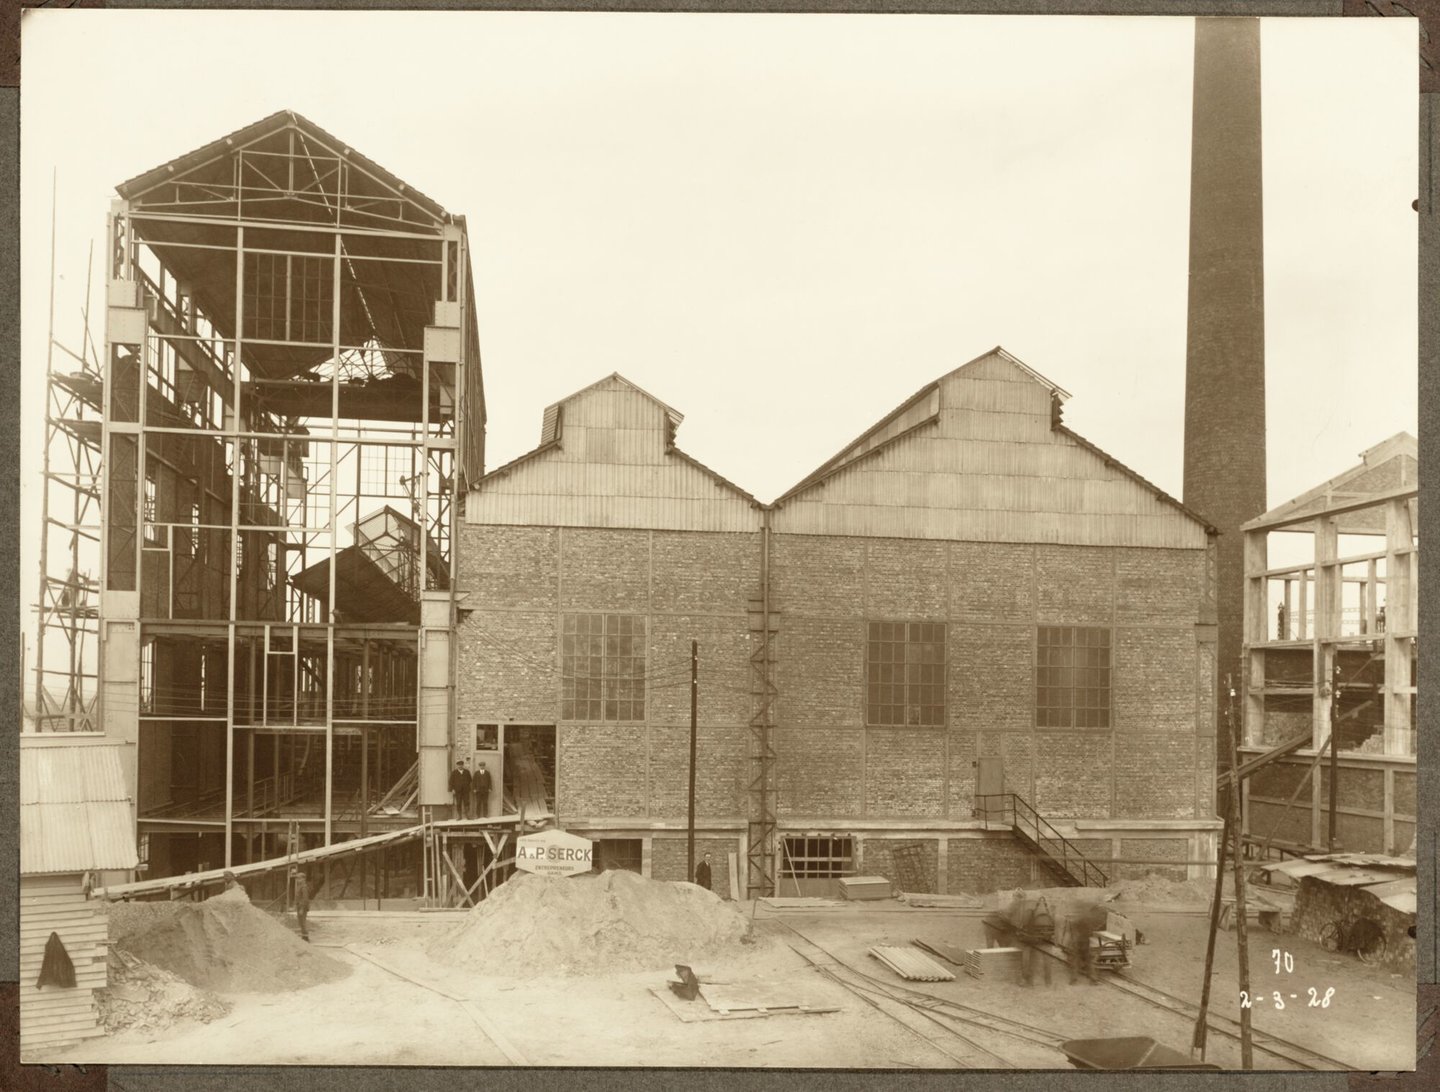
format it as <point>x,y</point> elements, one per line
<point>1034,828</point>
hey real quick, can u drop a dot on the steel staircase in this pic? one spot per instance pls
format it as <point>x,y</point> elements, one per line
<point>1010,811</point>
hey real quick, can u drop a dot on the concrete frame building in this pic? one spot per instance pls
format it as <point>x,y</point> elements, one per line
<point>970,633</point>
<point>1331,626</point>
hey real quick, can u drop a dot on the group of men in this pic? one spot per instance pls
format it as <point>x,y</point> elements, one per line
<point>471,790</point>
<point>1026,924</point>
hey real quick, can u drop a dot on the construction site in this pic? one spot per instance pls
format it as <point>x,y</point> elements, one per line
<point>348,748</point>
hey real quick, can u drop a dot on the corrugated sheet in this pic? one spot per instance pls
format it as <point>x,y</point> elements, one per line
<point>75,810</point>
<point>71,774</point>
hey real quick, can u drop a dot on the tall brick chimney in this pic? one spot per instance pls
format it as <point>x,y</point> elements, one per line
<point>1225,343</point>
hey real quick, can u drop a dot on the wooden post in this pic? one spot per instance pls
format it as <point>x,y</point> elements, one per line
<point>1197,1043</point>
<point>1334,752</point>
<point>1247,1056</point>
<point>694,706</point>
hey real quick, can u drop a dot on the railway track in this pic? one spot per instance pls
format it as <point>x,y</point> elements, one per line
<point>947,1013</point>
<point>1274,1045</point>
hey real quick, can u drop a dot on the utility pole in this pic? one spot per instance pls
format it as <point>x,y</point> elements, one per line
<point>694,706</point>
<point>1197,1044</point>
<point>1334,751</point>
<point>1237,830</point>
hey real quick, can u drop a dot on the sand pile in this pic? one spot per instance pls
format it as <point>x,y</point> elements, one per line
<point>612,922</point>
<point>1156,890</point>
<point>222,944</point>
<point>147,998</point>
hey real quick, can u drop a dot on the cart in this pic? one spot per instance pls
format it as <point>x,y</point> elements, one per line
<point>1133,1052</point>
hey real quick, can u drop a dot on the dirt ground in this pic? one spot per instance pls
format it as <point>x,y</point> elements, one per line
<point>377,1016</point>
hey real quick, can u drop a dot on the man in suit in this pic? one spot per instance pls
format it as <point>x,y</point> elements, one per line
<point>702,873</point>
<point>480,787</point>
<point>460,789</point>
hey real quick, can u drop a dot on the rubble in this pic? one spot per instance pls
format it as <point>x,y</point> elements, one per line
<point>144,997</point>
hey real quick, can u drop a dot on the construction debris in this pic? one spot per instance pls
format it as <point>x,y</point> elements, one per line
<point>575,925</point>
<point>910,964</point>
<point>949,902</point>
<point>144,997</point>
<point>947,952</point>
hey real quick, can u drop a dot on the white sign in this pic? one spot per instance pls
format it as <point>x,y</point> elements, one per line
<point>554,853</point>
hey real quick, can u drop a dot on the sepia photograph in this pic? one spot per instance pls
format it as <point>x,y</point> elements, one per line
<point>867,542</point>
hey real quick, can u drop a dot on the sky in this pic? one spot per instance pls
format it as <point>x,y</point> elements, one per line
<point>783,226</point>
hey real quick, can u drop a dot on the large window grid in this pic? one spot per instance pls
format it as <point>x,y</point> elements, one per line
<point>1072,677</point>
<point>818,858</point>
<point>602,667</point>
<point>905,674</point>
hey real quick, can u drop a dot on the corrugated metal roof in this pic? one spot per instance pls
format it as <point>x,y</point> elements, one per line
<point>71,774</point>
<point>1397,893</point>
<point>1351,877</point>
<point>75,810</point>
<point>1299,868</point>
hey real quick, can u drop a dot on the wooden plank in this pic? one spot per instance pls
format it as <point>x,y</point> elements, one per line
<point>947,952</point>
<point>734,875</point>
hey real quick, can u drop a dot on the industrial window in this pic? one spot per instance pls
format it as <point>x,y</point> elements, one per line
<point>147,677</point>
<point>152,532</point>
<point>288,296</point>
<point>618,854</point>
<point>602,667</point>
<point>905,673</point>
<point>1072,677</point>
<point>194,546</point>
<point>817,858</point>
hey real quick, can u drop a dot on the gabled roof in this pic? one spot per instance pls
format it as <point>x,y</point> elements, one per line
<point>552,422</point>
<point>1347,487</point>
<point>75,810</point>
<point>552,430</point>
<point>277,122</point>
<point>916,412</point>
<point>875,439</point>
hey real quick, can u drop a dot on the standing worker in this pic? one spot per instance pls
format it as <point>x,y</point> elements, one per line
<point>702,873</point>
<point>460,788</point>
<point>302,901</point>
<point>480,786</point>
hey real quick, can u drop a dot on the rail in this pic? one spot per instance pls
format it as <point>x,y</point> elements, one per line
<point>1036,831</point>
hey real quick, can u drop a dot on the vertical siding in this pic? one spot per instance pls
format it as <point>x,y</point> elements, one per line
<point>991,469</point>
<point>53,1016</point>
<point>612,469</point>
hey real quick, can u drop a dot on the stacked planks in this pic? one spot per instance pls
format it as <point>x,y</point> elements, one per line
<point>994,964</point>
<point>865,887</point>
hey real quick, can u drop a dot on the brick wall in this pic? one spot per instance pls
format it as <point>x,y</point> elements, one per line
<point>1150,849</point>
<point>905,773</point>
<point>825,588</point>
<point>668,856</point>
<point>975,866</point>
<point>1317,904</point>
<point>877,858</point>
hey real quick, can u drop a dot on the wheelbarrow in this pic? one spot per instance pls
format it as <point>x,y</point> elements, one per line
<point>1133,1052</point>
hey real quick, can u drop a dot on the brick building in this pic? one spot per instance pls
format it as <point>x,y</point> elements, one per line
<point>969,599</point>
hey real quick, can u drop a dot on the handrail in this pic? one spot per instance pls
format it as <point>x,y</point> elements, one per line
<point>1069,858</point>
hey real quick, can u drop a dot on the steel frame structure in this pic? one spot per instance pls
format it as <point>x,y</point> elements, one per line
<point>279,310</point>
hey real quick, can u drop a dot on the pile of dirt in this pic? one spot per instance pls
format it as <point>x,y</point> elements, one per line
<point>222,944</point>
<point>1156,890</point>
<point>147,998</point>
<point>612,922</point>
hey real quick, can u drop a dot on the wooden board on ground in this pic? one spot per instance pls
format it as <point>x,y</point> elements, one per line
<point>947,952</point>
<point>758,996</point>
<point>697,1011</point>
<point>957,902</point>
<point>911,964</point>
<point>778,902</point>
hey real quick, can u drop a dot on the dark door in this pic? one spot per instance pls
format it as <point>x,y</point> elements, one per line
<point>989,785</point>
